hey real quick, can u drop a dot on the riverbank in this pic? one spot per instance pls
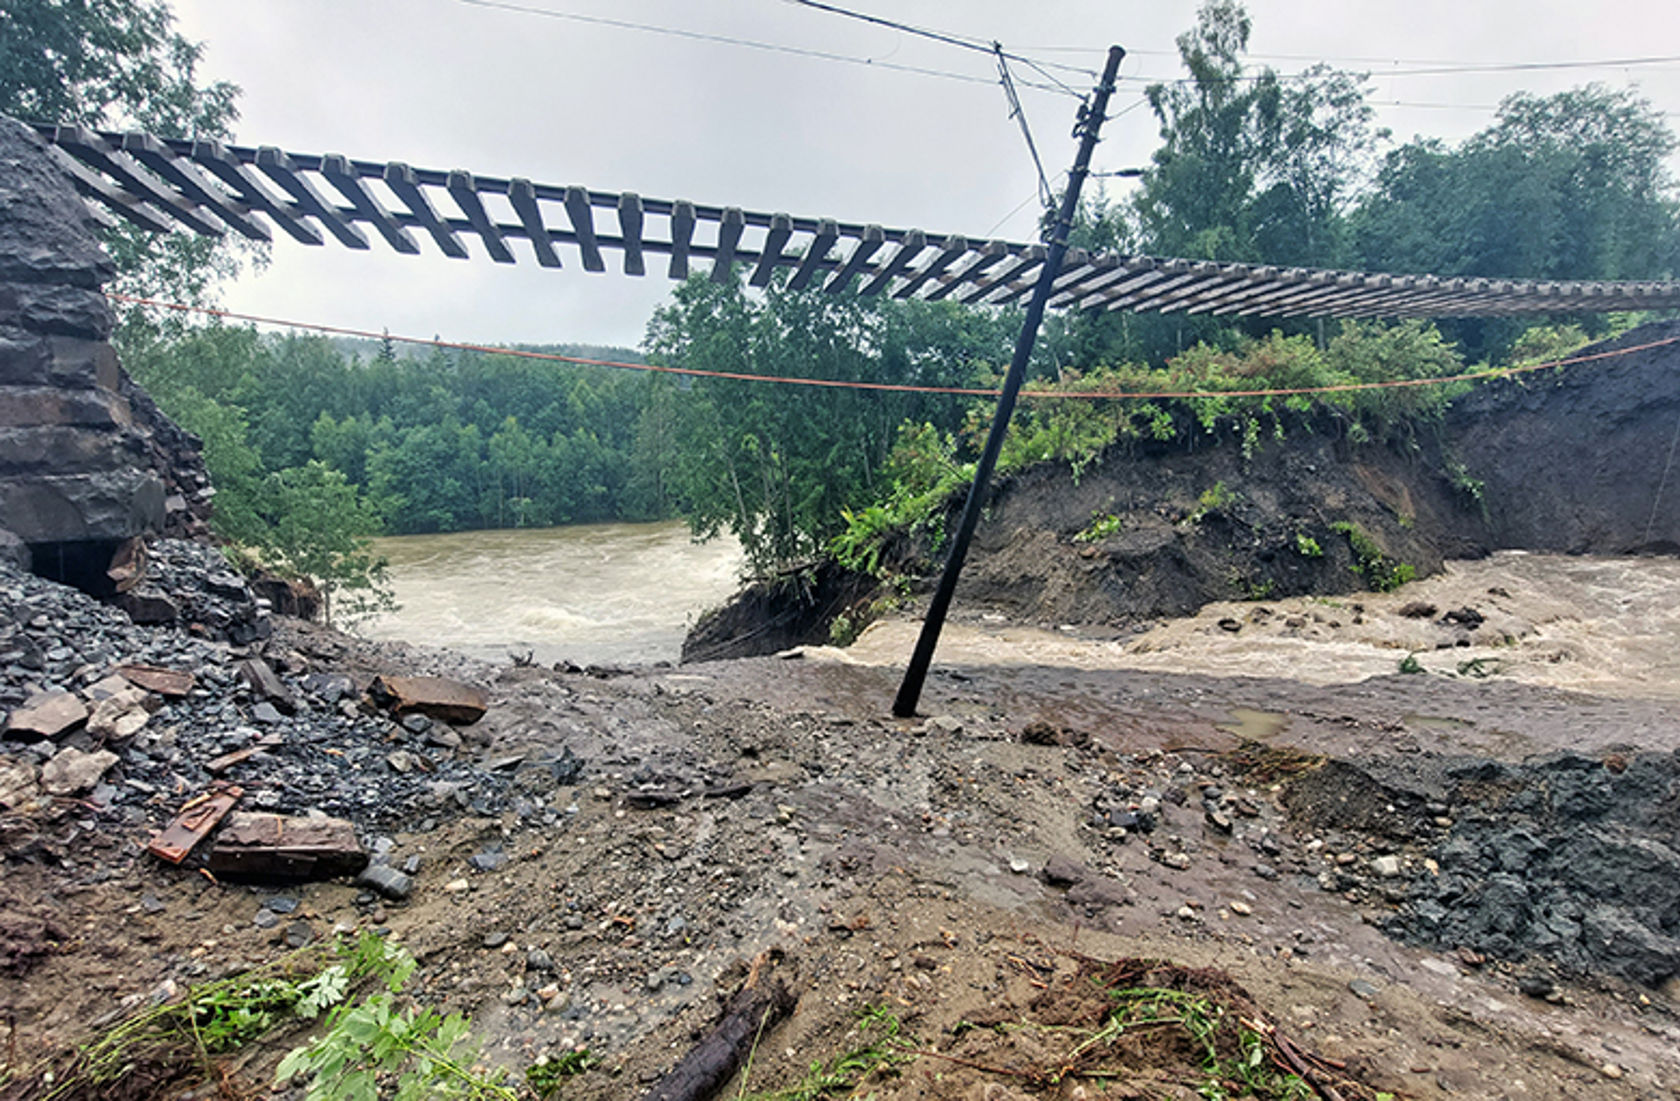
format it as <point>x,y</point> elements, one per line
<point>597,857</point>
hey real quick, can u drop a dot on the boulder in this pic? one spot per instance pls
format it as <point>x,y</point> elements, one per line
<point>170,683</point>
<point>46,715</point>
<point>452,701</point>
<point>72,771</point>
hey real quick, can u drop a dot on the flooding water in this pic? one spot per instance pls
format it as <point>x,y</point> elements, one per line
<point>1609,626</point>
<point>592,594</point>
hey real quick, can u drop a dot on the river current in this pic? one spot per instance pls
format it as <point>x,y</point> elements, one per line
<point>596,594</point>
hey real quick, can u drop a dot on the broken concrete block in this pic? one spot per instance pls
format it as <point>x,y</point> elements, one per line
<point>276,847</point>
<point>438,697</point>
<point>46,715</point>
<point>71,771</point>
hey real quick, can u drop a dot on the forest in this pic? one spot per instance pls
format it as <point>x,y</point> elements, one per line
<point>1251,166</point>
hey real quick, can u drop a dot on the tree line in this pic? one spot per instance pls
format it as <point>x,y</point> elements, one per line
<point>309,439</point>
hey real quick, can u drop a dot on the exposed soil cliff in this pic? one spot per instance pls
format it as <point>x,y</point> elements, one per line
<point>1579,459</point>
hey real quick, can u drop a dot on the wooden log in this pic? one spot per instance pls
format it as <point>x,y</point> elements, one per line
<point>871,241</point>
<point>630,232</point>
<point>230,170</point>
<point>194,184</point>
<point>755,1009</point>
<point>404,182</point>
<point>952,248</point>
<point>282,171</point>
<point>781,228</point>
<point>582,214</point>
<point>682,235</point>
<point>120,202</point>
<point>342,174</point>
<point>464,190</point>
<point>134,178</point>
<point>816,255</point>
<point>729,235</point>
<point>913,243</point>
<point>522,194</point>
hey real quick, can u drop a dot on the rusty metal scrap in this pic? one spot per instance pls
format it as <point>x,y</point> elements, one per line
<point>194,821</point>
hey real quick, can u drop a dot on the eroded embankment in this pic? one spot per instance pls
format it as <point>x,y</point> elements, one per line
<point>1577,459</point>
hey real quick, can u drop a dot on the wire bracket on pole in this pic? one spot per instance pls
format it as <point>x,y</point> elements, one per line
<point>1089,125</point>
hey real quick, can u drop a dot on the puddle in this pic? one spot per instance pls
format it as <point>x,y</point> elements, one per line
<point>1253,725</point>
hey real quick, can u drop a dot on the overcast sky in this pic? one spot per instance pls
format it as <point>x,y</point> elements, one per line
<point>455,84</point>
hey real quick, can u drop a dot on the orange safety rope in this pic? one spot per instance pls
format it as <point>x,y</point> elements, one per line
<point>843,384</point>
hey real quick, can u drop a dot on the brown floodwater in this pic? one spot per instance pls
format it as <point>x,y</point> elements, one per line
<point>589,593</point>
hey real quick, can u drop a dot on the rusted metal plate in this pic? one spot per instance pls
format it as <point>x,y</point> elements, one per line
<point>194,821</point>
<point>171,683</point>
<point>437,697</point>
<point>277,847</point>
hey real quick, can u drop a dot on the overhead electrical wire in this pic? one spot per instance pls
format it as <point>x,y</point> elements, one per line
<point>949,38</point>
<point>748,43</point>
<point>891,387</point>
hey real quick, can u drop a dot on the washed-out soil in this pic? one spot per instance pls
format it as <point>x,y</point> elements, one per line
<point>951,871</point>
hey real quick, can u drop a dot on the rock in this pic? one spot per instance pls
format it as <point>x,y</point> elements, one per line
<point>1176,860</point>
<point>487,861</point>
<point>280,904</point>
<point>494,940</point>
<point>538,960</point>
<point>1019,866</point>
<point>120,715</point>
<point>266,684</point>
<point>944,724</point>
<point>443,737</point>
<point>1535,983</point>
<point>1039,732</point>
<point>1241,909</point>
<point>168,683</point>
<point>18,786</point>
<point>457,886</point>
<point>1388,867</point>
<point>46,715</point>
<point>71,771</point>
<point>1417,609</point>
<point>149,606</point>
<point>1219,821</point>
<point>275,847</point>
<point>387,881</point>
<point>328,687</point>
<point>450,701</point>
<point>267,714</point>
<point>1059,871</point>
<point>400,760</point>
<point>265,919</point>
<point>299,934</point>
<point>1363,989</point>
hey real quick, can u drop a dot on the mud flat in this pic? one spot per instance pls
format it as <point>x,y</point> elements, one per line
<point>1437,885</point>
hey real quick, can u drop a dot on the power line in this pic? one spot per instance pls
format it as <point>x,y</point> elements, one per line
<point>966,42</point>
<point>900,388</point>
<point>731,40</point>
<point>1436,70</point>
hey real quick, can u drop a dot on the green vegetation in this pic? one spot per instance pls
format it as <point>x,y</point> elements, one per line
<point>1102,526</point>
<point>1214,499</point>
<point>1410,664</point>
<point>548,1074</point>
<point>1381,573</point>
<point>1307,547</point>
<point>376,1047</point>
<point>848,1073</point>
<point>1232,1054</point>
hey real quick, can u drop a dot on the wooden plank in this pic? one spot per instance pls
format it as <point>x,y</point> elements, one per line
<point>1256,277</point>
<point>954,247</point>
<point>1139,299</point>
<point>339,172</point>
<point>93,151</point>
<point>1281,280</point>
<point>1302,299</point>
<point>816,254</point>
<point>1093,294</point>
<point>729,236</point>
<point>583,228</point>
<point>522,193</point>
<point>405,184</point>
<point>992,252</point>
<point>871,241</point>
<point>682,234</point>
<point>630,232</point>
<point>120,202</point>
<point>194,184</point>
<point>230,170</point>
<point>1031,257</point>
<point>282,171</point>
<point>781,228</point>
<point>914,242</point>
<point>464,190</point>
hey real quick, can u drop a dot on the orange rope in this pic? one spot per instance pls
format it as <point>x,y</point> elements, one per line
<point>841,384</point>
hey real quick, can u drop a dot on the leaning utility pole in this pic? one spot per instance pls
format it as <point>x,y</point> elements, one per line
<point>1091,118</point>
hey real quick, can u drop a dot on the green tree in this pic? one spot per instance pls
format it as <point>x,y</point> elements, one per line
<point>121,64</point>
<point>319,527</point>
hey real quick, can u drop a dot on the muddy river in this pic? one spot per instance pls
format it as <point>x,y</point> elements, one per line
<point>591,594</point>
